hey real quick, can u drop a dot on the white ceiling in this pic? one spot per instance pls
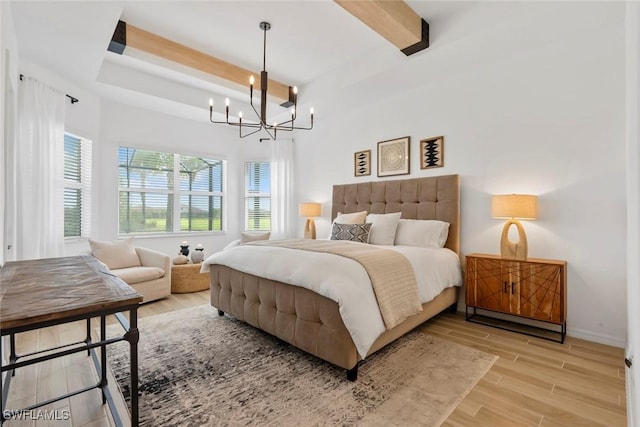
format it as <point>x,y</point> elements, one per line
<point>307,40</point>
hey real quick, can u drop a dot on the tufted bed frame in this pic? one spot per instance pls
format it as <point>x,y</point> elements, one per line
<point>312,322</point>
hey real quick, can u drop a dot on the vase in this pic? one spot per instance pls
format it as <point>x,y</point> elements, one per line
<point>197,255</point>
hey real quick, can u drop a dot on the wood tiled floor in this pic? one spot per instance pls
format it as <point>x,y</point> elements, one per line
<point>533,383</point>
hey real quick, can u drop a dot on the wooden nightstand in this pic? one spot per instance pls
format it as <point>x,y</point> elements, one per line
<point>533,289</point>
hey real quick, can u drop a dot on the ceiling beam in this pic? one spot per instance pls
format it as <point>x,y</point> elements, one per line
<point>392,19</point>
<point>128,36</point>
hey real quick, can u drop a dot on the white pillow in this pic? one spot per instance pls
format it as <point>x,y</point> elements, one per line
<point>253,237</point>
<point>232,245</point>
<point>118,254</point>
<point>383,228</point>
<point>425,233</point>
<point>351,218</point>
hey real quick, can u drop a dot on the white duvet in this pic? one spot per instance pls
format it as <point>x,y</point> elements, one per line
<point>343,280</point>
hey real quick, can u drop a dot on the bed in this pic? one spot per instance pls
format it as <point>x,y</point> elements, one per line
<point>314,322</point>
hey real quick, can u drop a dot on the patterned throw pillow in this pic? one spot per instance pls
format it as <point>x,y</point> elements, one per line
<point>351,232</point>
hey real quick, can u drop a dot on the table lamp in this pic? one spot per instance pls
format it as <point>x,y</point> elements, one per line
<point>309,210</point>
<point>514,207</point>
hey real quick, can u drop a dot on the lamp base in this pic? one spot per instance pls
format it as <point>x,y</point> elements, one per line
<point>513,250</point>
<point>310,229</point>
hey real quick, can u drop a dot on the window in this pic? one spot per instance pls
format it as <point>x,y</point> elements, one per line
<point>77,186</point>
<point>169,193</point>
<point>257,196</point>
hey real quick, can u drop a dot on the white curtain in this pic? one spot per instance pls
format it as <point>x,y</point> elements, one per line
<point>283,212</point>
<point>35,174</point>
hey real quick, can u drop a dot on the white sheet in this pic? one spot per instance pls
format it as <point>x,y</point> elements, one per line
<point>343,280</point>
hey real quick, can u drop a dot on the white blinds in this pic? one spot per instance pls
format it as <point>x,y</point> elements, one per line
<point>257,196</point>
<point>77,186</point>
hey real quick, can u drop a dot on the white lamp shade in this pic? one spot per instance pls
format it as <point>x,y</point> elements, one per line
<point>521,206</point>
<point>309,209</point>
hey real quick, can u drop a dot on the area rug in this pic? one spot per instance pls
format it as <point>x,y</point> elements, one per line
<point>197,368</point>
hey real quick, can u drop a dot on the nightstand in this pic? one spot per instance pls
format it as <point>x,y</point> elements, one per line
<point>534,289</point>
<point>187,278</point>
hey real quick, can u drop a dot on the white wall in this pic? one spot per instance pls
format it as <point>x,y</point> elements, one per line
<point>633,209</point>
<point>8,102</point>
<point>530,103</point>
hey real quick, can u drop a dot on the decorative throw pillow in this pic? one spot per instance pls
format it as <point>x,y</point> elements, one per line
<point>425,233</point>
<point>351,218</point>
<point>383,228</point>
<point>252,237</point>
<point>118,254</point>
<point>351,232</point>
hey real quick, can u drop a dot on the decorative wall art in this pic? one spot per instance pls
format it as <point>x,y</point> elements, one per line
<point>432,152</point>
<point>393,157</point>
<point>362,163</point>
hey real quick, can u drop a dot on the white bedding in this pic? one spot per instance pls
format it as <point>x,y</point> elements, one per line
<point>343,280</point>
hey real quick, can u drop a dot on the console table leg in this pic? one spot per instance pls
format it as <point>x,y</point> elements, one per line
<point>87,340</point>
<point>103,357</point>
<point>133,354</point>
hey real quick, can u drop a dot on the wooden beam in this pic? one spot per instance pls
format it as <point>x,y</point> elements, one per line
<point>392,19</point>
<point>128,36</point>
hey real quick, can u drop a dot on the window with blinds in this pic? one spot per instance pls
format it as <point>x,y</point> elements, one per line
<point>169,193</point>
<point>257,196</point>
<point>77,186</point>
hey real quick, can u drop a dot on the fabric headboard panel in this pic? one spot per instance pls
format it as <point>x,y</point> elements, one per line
<point>435,197</point>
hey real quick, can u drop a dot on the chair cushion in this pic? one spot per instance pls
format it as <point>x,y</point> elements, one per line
<point>133,275</point>
<point>118,254</point>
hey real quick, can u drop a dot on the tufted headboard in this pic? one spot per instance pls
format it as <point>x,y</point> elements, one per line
<point>435,197</point>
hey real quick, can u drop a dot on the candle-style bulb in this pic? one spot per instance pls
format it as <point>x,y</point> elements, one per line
<point>251,80</point>
<point>210,102</point>
<point>293,112</point>
<point>240,115</point>
<point>311,111</point>
<point>295,90</point>
<point>226,102</point>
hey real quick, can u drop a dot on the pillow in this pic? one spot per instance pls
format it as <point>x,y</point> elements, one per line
<point>351,218</point>
<point>252,237</point>
<point>118,254</point>
<point>383,228</point>
<point>351,232</point>
<point>232,245</point>
<point>425,233</point>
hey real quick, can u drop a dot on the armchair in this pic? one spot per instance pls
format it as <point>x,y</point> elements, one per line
<point>145,270</point>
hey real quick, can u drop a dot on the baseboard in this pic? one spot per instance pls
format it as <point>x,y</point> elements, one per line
<point>595,337</point>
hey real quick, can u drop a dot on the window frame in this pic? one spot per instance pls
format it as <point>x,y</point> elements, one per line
<point>175,194</point>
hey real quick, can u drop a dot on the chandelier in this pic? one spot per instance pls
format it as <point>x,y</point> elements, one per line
<point>253,127</point>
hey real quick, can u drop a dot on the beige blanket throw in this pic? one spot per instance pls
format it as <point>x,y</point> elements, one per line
<point>392,277</point>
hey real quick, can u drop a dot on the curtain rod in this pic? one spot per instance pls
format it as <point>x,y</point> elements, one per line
<point>73,99</point>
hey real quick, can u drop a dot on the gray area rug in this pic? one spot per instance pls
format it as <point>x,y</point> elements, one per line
<point>200,369</point>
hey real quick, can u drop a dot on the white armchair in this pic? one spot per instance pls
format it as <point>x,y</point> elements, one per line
<point>145,270</point>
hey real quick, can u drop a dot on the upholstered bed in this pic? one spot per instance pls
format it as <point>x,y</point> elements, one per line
<point>313,322</point>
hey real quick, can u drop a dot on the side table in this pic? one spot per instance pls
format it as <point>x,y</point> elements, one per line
<point>187,278</point>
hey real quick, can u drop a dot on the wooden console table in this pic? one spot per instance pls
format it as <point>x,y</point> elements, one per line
<point>40,293</point>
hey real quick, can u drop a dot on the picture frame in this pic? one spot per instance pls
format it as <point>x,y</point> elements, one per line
<point>394,157</point>
<point>362,163</point>
<point>432,152</point>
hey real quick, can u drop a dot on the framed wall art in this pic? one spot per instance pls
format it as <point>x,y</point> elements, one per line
<point>362,163</point>
<point>393,157</point>
<point>432,152</point>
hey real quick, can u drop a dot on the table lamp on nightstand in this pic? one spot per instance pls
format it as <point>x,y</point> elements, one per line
<point>309,210</point>
<point>514,207</point>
